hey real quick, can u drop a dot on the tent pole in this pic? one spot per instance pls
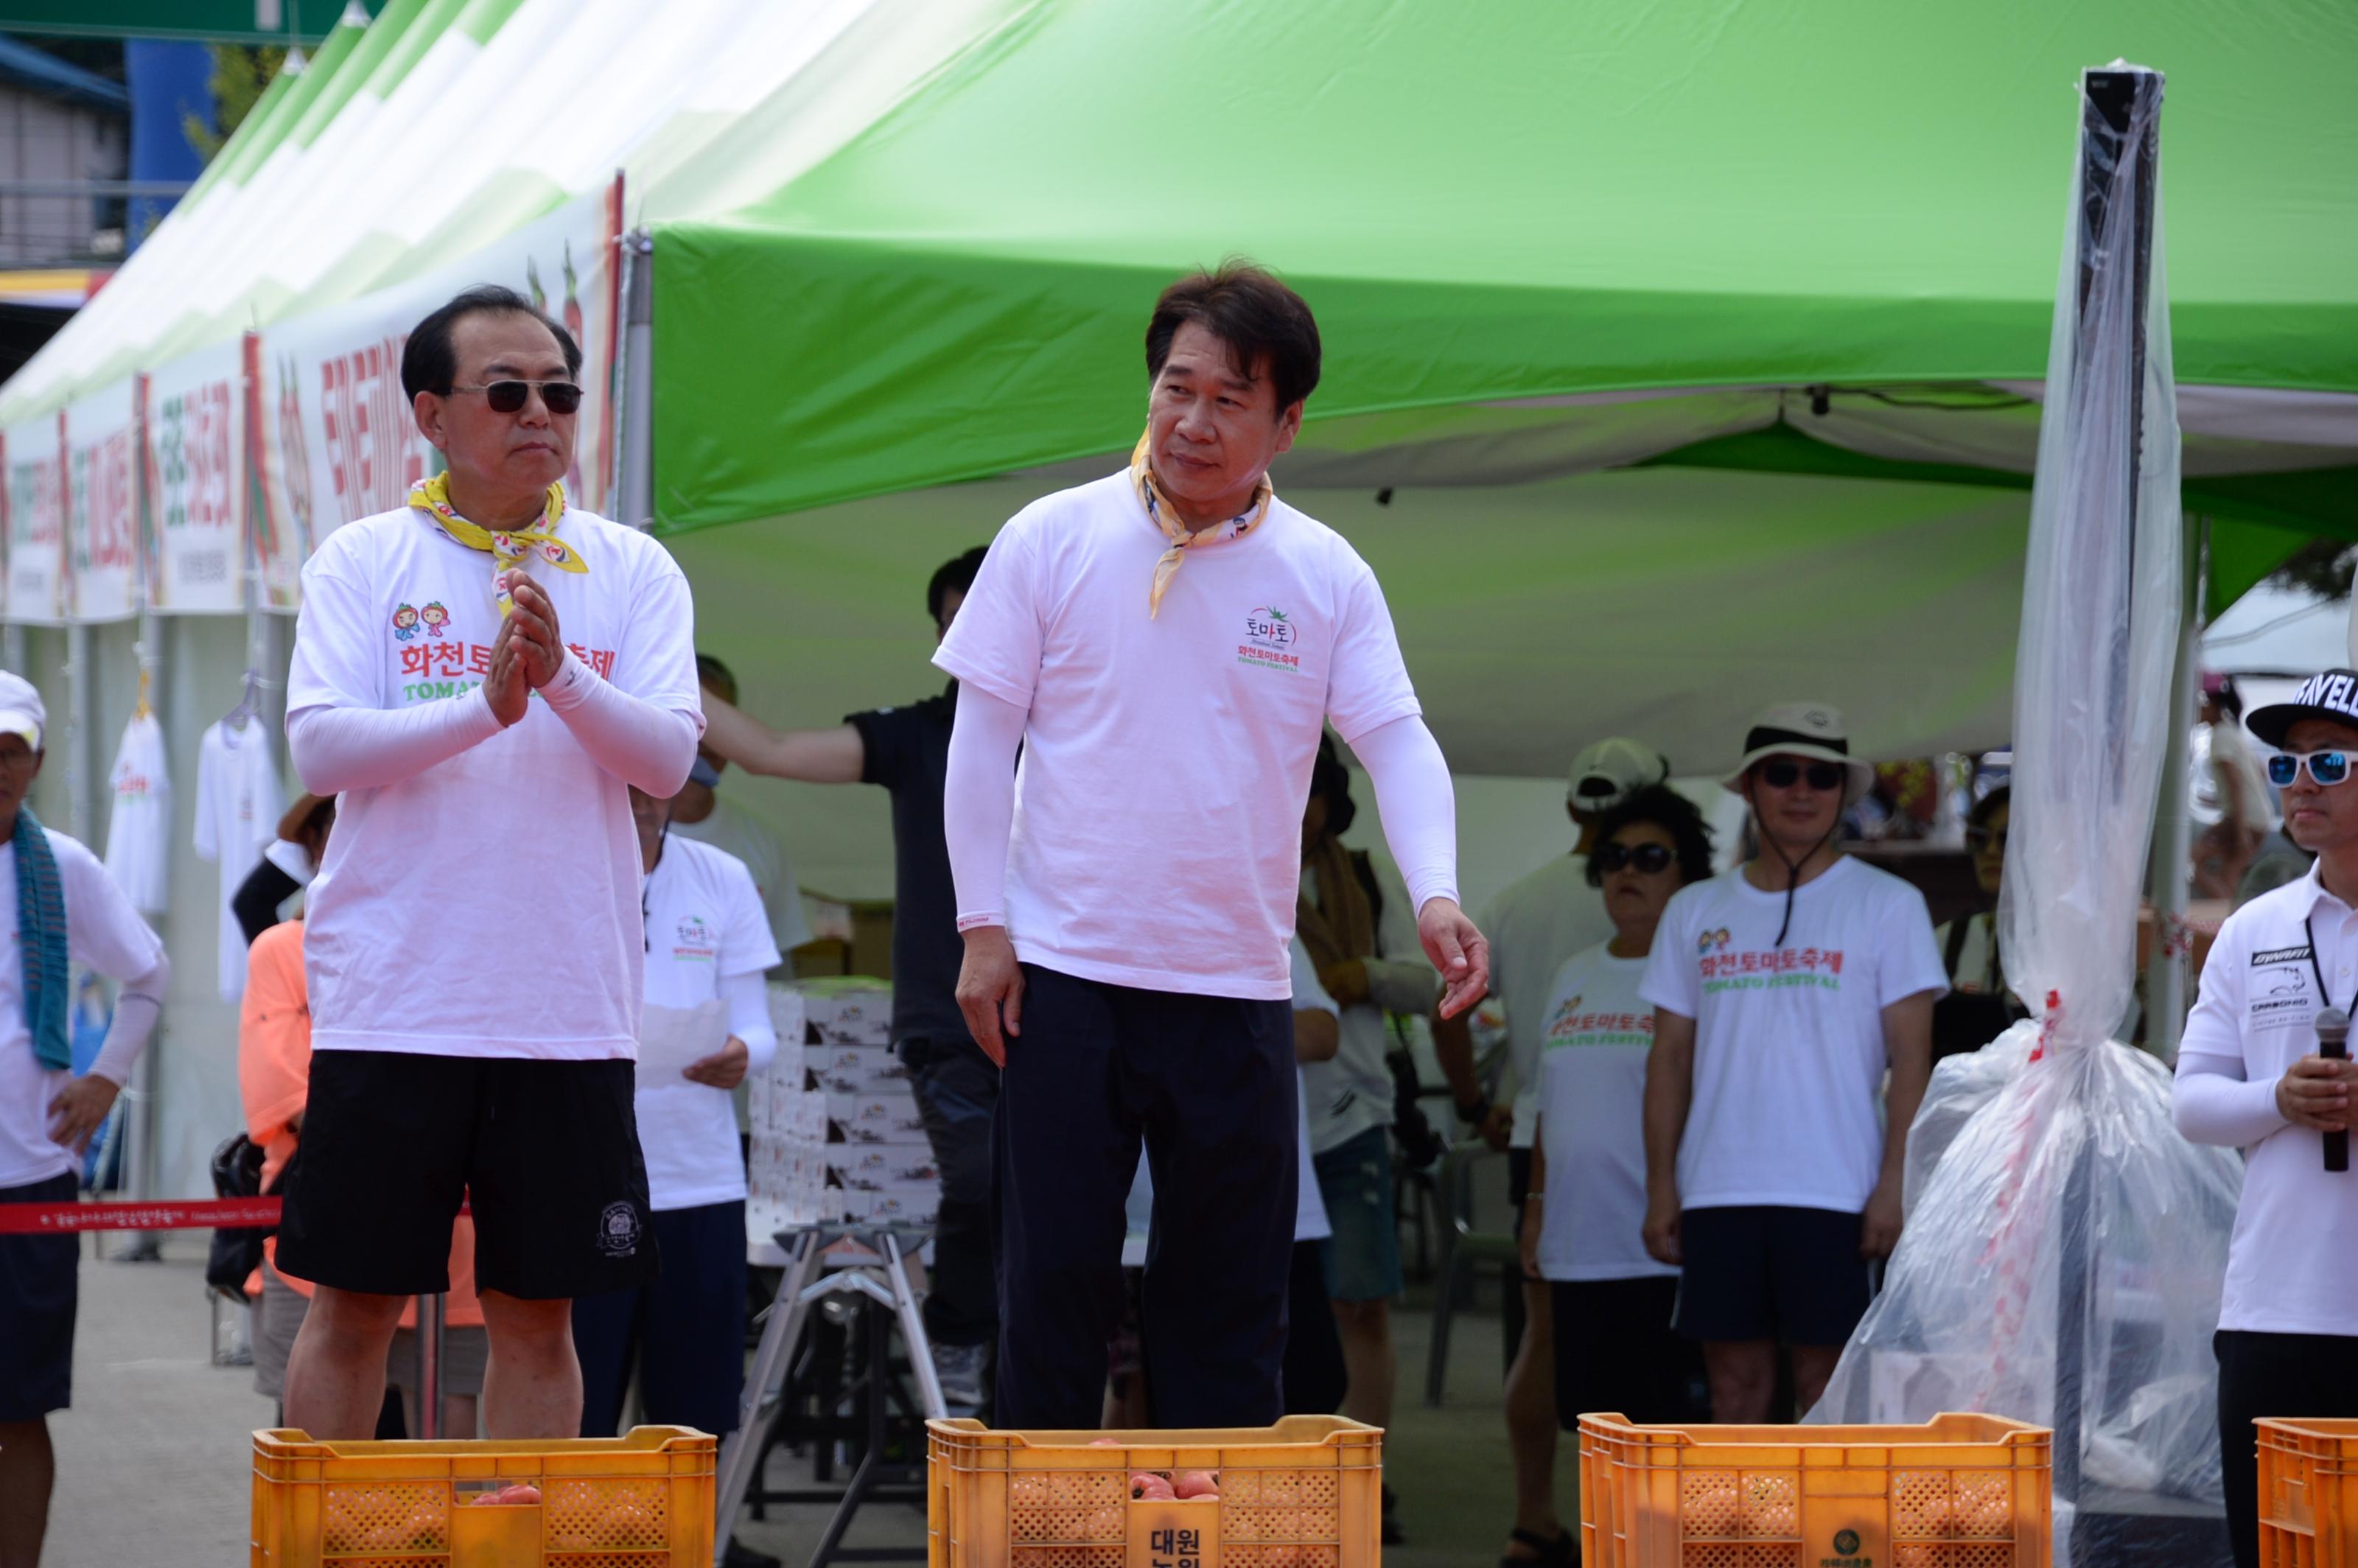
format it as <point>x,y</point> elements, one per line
<point>637,429</point>
<point>2166,974</point>
<point>12,648</point>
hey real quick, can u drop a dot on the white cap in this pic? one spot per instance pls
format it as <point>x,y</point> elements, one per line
<point>1612,770</point>
<point>21,712</point>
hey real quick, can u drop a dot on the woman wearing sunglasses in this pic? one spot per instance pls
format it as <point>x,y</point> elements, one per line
<point>1584,1221</point>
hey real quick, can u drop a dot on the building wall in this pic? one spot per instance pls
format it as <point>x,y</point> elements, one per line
<point>41,138</point>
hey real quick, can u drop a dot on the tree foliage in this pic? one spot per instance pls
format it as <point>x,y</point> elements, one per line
<point>241,75</point>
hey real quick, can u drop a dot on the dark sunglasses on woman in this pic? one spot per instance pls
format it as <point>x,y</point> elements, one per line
<point>1649,859</point>
<point>508,397</point>
<point>1782,774</point>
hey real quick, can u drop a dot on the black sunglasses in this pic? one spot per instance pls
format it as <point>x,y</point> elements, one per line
<point>1651,859</point>
<point>508,397</point>
<point>1782,774</point>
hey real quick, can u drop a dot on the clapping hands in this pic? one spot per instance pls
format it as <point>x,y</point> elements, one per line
<point>528,653</point>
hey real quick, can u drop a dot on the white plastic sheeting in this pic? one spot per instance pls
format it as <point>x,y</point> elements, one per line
<point>2064,1248</point>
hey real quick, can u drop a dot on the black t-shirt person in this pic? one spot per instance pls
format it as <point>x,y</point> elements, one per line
<point>906,751</point>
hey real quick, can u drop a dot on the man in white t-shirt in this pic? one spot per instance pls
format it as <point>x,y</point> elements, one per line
<point>1784,992</point>
<point>1533,926</point>
<point>701,813</point>
<point>2249,1076</point>
<point>706,1025</point>
<point>479,674</point>
<point>1163,646</point>
<point>78,916</point>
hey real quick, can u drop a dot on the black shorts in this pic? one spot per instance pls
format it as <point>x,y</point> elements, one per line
<point>1519,1186</point>
<point>40,1276</point>
<point>1793,1274</point>
<point>1615,1352</point>
<point>545,1152</point>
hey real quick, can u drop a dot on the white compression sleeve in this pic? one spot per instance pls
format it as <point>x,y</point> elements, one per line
<point>1418,802</point>
<point>978,802</point>
<point>628,736</point>
<point>748,996</point>
<point>140,1004</point>
<point>2211,1103</point>
<point>338,749</point>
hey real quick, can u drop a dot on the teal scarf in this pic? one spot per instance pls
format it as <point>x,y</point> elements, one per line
<point>42,940</point>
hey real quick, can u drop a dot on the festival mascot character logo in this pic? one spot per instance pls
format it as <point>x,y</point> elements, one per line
<point>435,618</point>
<point>404,623</point>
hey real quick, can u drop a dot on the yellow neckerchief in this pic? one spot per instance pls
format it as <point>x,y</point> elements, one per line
<point>1166,567</point>
<point>507,550</point>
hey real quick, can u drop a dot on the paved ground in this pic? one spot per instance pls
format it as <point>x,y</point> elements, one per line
<point>154,1457</point>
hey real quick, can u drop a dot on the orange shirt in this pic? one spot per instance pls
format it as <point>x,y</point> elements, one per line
<point>273,1076</point>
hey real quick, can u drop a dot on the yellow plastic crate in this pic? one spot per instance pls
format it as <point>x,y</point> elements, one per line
<point>2308,1493</point>
<point>1961,1491</point>
<point>1305,1493</point>
<point>641,1500</point>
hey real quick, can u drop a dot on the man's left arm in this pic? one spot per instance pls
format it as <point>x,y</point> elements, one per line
<point>105,933</point>
<point>1908,1043</point>
<point>647,740</point>
<point>1419,807</point>
<point>746,955</point>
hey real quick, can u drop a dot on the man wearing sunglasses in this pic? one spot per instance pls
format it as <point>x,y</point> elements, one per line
<point>1784,992</point>
<point>474,942</point>
<point>2250,1077</point>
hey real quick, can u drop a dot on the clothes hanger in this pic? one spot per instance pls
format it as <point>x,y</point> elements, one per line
<point>235,722</point>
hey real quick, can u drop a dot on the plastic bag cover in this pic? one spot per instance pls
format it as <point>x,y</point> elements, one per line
<point>2064,1247</point>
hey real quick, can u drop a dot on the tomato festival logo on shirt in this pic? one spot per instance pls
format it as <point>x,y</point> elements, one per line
<point>695,943</point>
<point>1713,941</point>
<point>435,618</point>
<point>1763,969</point>
<point>1570,1026</point>
<point>1269,641</point>
<point>405,622</point>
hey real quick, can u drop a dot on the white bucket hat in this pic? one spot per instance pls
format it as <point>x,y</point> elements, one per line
<point>21,712</point>
<point>1811,730</point>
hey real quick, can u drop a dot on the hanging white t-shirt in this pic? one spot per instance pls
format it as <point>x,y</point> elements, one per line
<point>103,933</point>
<point>1788,1056</point>
<point>1310,1221</point>
<point>239,800</point>
<point>488,906</point>
<point>1533,926</point>
<point>1157,840</point>
<point>736,831</point>
<point>1592,1092</point>
<point>707,944</point>
<point>139,824</point>
<point>2292,1261</point>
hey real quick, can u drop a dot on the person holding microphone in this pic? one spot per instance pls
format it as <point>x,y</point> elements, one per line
<point>2250,1076</point>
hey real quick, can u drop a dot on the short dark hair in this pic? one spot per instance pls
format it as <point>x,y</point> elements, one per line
<point>428,363</point>
<point>953,576</point>
<point>1330,778</point>
<point>711,672</point>
<point>1671,812</point>
<point>2230,700</point>
<point>1999,797</point>
<point>1261,321</point>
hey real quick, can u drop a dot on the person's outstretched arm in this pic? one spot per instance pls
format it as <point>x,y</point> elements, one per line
<point>813,756</point>
<point>1419,806</point>
<point>978,819</point>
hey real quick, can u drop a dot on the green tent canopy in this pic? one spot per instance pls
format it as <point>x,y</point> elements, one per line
<point>1543,237</point>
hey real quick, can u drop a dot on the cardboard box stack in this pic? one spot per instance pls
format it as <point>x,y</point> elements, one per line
<point>841,1139</point>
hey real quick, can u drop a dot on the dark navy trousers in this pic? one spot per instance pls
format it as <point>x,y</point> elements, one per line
<point>1208,1083</point>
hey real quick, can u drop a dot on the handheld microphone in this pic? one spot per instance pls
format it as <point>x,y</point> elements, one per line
<point>2333,1043</point>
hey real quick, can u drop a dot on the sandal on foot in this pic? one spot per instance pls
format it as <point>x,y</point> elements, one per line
<point>1560,1552</point>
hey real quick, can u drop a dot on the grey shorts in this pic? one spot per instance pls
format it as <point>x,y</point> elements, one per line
<point>278,1317</point>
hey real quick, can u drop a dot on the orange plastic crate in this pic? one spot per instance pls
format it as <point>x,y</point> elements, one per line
<point>1306,1493</point>
<point>641,1500</point>
<point>2308,1493</point>
<point>1961,1491</point>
